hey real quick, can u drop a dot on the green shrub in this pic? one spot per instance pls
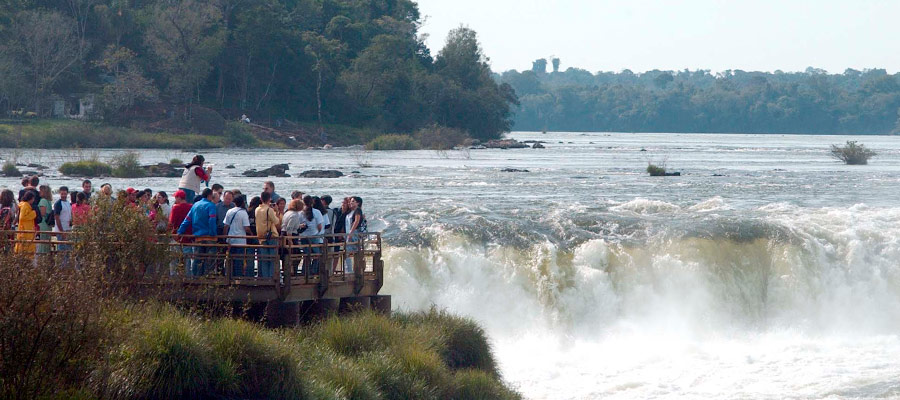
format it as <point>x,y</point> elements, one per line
<point>438,137</point>
<point>341,376</point>
<point>394,381</point>
<point>127,165</point>
<point>393,142</point>
<point>10,169</point>
<point>262,364</point>
<point>463,343</point>
<point>87,168</point>
<point>852,153</point>
<point>239,135</point>
<point>166,360</point>
<point>359,333</point>
<point>479,385</point>
<point>655,170</point>
<point>176,161</point>
<point>206,121</point>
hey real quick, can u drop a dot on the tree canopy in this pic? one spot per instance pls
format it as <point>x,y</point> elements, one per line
<point>854,102</point>
<point>353,62</point>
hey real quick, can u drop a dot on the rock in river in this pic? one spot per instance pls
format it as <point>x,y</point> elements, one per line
<point>322,173</point>
<point>277,170</point>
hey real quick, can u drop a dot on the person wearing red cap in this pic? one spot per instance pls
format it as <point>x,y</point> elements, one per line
<point>179,212</point>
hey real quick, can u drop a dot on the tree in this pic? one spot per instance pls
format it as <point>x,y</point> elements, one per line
<point>322,50</point>
<point>185,35</point>
<point>45,45</point>
<point>129,84</point>
<point>471,99</point>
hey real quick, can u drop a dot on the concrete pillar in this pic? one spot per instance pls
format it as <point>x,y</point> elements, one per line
<point>354,304</point>
<point>381,304</point>
<point>318,309</point>
<point>279,313</point>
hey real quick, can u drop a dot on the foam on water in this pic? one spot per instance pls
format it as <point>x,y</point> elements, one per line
<point>807,305</point>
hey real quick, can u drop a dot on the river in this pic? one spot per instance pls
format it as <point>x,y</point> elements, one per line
<point>767,270</point>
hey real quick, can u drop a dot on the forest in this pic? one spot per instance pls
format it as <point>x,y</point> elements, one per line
<point>360,63</point>
<point>732,101</point>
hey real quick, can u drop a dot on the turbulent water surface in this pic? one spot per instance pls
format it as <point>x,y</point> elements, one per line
<point>768,270</point>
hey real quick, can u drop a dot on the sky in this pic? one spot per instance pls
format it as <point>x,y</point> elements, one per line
<point>642,35</point>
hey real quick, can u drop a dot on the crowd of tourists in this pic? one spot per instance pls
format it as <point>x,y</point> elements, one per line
<point>201,213</point>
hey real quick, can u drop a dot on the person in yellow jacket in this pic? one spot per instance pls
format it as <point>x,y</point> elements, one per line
<point>27,216</point>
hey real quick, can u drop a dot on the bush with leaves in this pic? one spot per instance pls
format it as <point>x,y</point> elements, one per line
<point>436,137</point>
<point>852,153</point>
<point>127,165</point>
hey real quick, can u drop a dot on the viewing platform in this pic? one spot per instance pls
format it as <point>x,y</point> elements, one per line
<point>308,279</point>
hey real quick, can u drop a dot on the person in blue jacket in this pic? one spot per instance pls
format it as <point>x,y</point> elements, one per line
<point>202,221</point>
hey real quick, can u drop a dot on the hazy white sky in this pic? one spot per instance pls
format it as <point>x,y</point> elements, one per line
<point>611,35</point>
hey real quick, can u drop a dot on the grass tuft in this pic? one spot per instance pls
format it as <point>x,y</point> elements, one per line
<point>476,384</point>
<point>86,168</point>
<point>393,142</point>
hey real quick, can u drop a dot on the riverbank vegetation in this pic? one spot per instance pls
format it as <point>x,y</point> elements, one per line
<point>62,134</point>
<point>281,67</point>
<point>96,332</point>
<point>814,102</point>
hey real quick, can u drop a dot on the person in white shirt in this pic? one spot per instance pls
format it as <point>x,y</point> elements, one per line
<point>237,223</point>
<point>62,213</point>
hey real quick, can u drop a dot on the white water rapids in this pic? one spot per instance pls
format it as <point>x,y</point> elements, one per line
<point>766,271</point>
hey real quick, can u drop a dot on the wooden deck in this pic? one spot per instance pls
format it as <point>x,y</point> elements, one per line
<point>301,272</point>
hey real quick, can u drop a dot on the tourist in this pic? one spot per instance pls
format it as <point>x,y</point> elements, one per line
<point>45,204</point>
<point>236,193</point>
<point>314,221</point>
<point>237,223</point>
<point>267,232</point>
<point>355,223</point>
<point>269,186</point>
<point>144,201</point>
<point>178,214</point>
<point>280,207</point>
<point>323,210</point>
<point>107,191</point>
<point>297,195</point>
<point>339,226</point>
<point>222,206</point>
<point>7,216</point>
<point>251,210</point>
<point>193,176</point>
<point>86,188</point>
<point>62,213</point>
<point>218,189</point>
<point>131,196</point>
<point>159,212</point>
<point>31,185</point>
<point>81,210</point>
<point>201,219</point>
<point>25,239</point>
<point>290,223</point>
<point>328,214</point>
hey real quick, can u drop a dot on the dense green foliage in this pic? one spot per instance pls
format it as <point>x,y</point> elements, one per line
<point>855,102</point>
<point>86,168</point>
<point>361,63</point>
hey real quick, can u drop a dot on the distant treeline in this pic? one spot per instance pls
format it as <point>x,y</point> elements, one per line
<point>855,102</point>
<point>353,62</point>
